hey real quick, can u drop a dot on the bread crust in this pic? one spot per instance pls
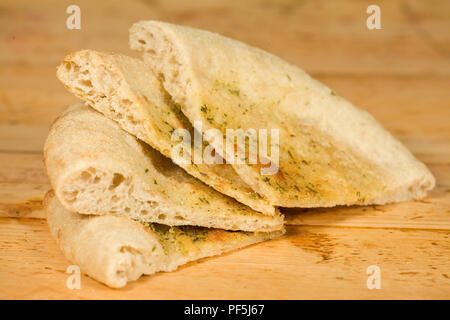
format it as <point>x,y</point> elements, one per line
<point>95,167</point>
<point>116,250</point>
<point>331,153</point>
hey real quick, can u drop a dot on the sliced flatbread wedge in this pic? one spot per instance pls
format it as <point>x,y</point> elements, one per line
<point>330,152</point>
<point>95,167</point>
<point>126,90</point>
<point>115,250</point>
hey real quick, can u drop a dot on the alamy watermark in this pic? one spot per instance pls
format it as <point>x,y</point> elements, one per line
<point>374,20</point>
<point>374,277</point>
<point>252,146</point>
<point>73,21</point>
<point>74,280</point>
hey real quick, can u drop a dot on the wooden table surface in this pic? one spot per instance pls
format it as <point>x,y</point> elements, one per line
<point>401,74</point>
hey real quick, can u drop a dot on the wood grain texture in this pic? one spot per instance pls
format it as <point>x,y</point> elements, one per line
<point>23,183</point>
<point>400,74</point>
<point>309,262</point>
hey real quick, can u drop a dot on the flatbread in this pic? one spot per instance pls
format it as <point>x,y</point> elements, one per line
<point>115,250</point>
<point>125,90</point>
<point>95,167</point>
<point>330,152</point>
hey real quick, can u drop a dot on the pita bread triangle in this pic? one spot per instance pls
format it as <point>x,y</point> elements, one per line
<point>95,167</point>
<point>330,152</point>
<point>125,90</point>
<point>115,250</point>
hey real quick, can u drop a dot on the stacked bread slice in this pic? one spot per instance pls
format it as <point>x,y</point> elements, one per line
<point>116,198</point>
<point>95,167</point>
<point>115,249</point>
<point>122,204</point>
<point>113,191</point>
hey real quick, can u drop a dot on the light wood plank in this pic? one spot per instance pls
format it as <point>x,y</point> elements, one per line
<point>415,110</point>
<point>22,138</point>
<point>22,168</point>
<point>432,212</point>
<point>20,200</point>
<point>23,183</point>
<point>429,213</point>
<point>318,35</point>
<point>309,262</point>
